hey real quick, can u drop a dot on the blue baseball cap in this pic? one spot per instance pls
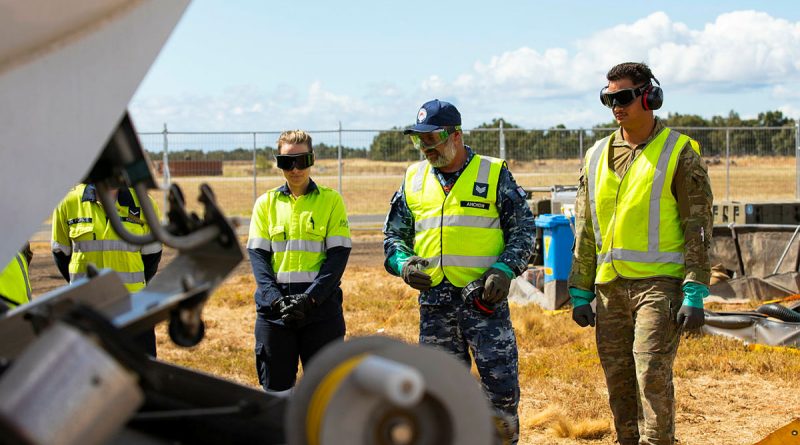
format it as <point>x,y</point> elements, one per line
<point>433,115</point>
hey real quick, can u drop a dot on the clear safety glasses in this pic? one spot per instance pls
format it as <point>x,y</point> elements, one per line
<point>429,141</point>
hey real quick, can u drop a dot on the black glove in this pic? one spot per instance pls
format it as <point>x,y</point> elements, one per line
<point>496,285</point>
<point>295,307</point>
<point>414,276</point>
<point>691,317</point>
<point>583,315</point>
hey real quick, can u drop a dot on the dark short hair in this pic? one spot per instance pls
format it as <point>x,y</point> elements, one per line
<point>638,73</point>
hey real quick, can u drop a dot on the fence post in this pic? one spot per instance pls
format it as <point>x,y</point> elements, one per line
<point>797,158</point>
<point>727,164</point>
<point>165,172</point>
<point>580,146</point>
<point>339,156</point>
<point>502,141</point>
<point>255,170</point>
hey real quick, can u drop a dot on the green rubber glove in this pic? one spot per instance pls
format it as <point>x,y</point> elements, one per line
<point>582,312</point>
<point>691,314</point>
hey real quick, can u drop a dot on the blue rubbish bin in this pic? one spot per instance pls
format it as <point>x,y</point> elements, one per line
<point>557,237</point>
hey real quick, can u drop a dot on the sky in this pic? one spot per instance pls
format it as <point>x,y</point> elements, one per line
<point>250,65</point>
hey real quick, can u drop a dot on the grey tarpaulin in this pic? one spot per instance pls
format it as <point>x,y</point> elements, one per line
<point>753,328</point>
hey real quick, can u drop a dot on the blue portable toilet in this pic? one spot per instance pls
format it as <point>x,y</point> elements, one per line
<point>557,237</point>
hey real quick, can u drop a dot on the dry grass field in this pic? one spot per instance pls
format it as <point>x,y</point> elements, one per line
<point>368,185</point>
<point>726,393</point>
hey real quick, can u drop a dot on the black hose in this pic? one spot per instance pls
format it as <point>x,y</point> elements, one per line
<point>782,313</point>
<point>729,321</point>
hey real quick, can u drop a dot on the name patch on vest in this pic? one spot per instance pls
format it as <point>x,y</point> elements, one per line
<point>480,189</point>
<point>78,220</point>
<point>475,204</point>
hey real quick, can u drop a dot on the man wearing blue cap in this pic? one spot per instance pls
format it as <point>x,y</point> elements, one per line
<point>459,230</point>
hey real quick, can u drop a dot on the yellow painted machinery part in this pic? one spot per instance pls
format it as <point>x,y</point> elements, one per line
<point>788,435</point>
<point>323,394</point>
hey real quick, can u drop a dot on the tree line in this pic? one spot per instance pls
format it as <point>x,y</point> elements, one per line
<point>716,135</point>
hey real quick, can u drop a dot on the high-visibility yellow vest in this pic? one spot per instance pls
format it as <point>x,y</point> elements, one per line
<point>459,234</point>
<point>299,231</point>
<point>635,218</point>
<point>81,229</point>
<point>15,285</point>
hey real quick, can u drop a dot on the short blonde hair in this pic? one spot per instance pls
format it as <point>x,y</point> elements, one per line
<point>294,137</point>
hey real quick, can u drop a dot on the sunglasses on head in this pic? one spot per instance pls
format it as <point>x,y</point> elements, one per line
<point>300,161</point>
<point>429,141</point>
<point>622,98</point>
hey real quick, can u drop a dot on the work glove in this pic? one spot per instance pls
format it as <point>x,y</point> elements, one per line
<point>295,307</point>
<point>691,314</point>
<point>496,285</point>
<point>472,294</point>
<point>414,276</point>
<point>582,312</point>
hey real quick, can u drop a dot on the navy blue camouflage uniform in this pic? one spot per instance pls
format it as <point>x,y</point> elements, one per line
<point>445,321</point>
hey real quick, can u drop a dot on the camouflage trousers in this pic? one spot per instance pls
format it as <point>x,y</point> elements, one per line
<point>637,339</point>
<point>460,329</point>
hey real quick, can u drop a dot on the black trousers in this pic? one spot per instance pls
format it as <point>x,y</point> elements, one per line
<point>279,347</point>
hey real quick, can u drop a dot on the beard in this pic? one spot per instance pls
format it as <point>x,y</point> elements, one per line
<point>445,157</point>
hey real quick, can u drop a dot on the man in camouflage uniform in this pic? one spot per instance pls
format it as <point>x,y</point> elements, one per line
<point>643,227</point>
<point>460,221</point>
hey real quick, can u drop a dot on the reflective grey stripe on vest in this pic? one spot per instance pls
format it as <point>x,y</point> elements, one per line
<point>657,190</point>
<point>126,277</point>
<point>640,257</point>
<point>24,275</point>
<point>483,171</point>
<point>433,262</point>
<point>481,222</point>
<point>419,176</point>
<point>653,255</point>
<point>338,241</point>
<point>295,277</point>
<point>259,243</point>
<point>103,246</point>
<point>590,182</point>
<point>298,245</point>
<point>468,261</point>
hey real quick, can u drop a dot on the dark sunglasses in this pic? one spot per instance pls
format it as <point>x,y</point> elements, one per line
<point>621,98</point>
<point>300,161</point>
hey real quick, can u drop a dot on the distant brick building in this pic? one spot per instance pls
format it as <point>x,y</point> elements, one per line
<point>191,168</point>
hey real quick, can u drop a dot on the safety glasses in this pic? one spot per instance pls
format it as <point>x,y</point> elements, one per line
<point>621,98</point>
<point>300,161</point>
<point>429,141</point>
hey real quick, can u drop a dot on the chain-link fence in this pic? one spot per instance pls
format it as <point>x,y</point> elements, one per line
<point>367,166</point>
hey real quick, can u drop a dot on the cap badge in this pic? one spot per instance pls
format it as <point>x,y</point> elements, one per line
<point>423,113</point>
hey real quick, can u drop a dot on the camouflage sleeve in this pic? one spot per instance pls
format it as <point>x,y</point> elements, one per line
<point>516,220</point>
<point>694,196</point>
<point>584,254</point>
<point>398,232</point>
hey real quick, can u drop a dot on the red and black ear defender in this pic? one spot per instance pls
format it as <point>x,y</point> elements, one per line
<point>652,96</point>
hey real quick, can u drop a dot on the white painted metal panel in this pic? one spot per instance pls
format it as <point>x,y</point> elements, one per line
<point>68,70</point>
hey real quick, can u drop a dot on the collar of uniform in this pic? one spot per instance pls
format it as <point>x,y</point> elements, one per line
<point>619,141</point>
<point>124,197</point>
<point>312,186</point>
<point>89,193</point>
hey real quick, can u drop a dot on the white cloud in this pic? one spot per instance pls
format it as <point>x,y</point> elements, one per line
<point>739,52</point>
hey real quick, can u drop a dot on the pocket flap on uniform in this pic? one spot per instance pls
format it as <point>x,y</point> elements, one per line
<point>275,230</point>
<point>317,230</point>
<point>78,230</point>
